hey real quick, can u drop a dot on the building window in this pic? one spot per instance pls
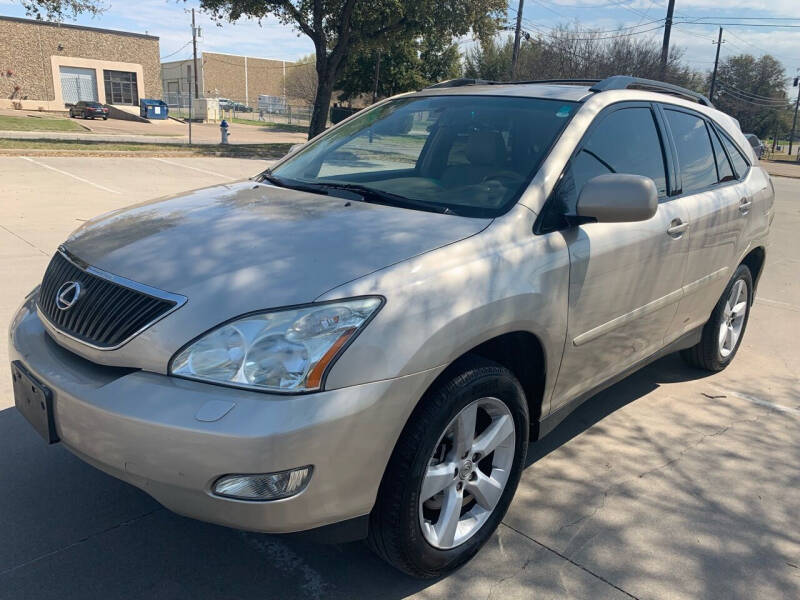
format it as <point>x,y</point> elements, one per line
<point>121,87</point>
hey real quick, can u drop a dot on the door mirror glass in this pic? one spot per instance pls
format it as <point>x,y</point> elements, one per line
<point>618,198</point>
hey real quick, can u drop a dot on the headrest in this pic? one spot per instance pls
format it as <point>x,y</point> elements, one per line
<point>486,148</point>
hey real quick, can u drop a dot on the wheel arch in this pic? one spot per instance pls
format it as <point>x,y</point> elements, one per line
<point>754,260</point>
<point>522,353</point>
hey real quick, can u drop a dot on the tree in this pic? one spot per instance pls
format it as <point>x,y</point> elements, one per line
<point>405,65</point>
<point>753,91</point>
<point>301,80</point>
<point>574,52</point>
<point>340,27</point>
<point>56,10</point>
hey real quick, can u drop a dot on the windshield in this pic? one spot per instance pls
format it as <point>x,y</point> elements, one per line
<point>465,155</point>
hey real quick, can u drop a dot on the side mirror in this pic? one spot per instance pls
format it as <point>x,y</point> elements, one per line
<point>618,198</point>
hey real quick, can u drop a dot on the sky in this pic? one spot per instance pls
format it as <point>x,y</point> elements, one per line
<point>170,20</point>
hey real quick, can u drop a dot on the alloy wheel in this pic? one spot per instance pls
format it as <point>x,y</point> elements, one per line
<point>733,318</point>
<point>467,473</point>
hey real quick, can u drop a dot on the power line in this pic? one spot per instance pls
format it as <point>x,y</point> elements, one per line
<point>699,21</point>
<point>176,51</point>
<point>752,96</point>
<point>736,96</point>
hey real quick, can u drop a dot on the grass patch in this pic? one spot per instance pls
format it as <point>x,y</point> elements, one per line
<point>280,127</point>
<point>84,146</point>
<point>25,123</point>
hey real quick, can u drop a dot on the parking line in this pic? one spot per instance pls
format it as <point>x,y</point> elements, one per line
<point>778,304</point>
<point>97,185</point>
<point>169,162</point>
<point>760,402</point>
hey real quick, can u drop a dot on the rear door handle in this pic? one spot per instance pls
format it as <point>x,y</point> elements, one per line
<point>677,227</point>
<point>744,205</point>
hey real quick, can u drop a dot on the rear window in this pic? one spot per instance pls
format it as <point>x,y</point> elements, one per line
<point>740,164</point>
<point>754,141</point>
<point>724,169</point>
<point>695,156</point>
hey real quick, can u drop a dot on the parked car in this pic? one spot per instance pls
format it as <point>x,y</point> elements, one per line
<point>226,104</point>
<point>364,340</point>
<point>755,143</point>
<point>88,110</point>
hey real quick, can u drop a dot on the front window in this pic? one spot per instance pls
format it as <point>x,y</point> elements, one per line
<point>121,87</point>
<point>465,155</point>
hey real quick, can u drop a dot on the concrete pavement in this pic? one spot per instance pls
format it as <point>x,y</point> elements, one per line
<point>670,484</point>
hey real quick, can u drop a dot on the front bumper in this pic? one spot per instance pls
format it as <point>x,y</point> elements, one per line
<point>143,428</point>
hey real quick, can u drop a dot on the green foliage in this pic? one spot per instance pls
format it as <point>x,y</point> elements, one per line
<point>56,10</point>
<point>753,91</point>
<point>405,65</point>
<point>341,27</point>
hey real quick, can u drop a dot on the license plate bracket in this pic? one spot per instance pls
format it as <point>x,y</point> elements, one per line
<point>35,401</point>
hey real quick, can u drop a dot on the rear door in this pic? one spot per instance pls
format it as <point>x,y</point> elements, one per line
<point>718,206</point>
<point>625,278</point>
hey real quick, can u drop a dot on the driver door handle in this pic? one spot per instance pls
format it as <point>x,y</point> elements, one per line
<point>677,228</point>
<point>744,205</point>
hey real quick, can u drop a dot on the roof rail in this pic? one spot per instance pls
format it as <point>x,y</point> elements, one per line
<point>615,82</point>
<point>460,82</point>
<point>466,81</point>
<point>624,82</point>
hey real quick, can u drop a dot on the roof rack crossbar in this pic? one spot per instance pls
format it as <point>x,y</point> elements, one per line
<point>624,82</point>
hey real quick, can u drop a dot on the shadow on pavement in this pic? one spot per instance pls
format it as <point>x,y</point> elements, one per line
<point>69,531</point>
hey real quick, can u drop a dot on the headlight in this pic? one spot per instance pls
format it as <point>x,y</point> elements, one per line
<point>279,351</point>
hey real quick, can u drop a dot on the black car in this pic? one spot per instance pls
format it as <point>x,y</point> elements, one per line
<point>88,110</point>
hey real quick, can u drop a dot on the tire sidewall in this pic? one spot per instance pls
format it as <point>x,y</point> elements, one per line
<point>742,273</point>
<point>507,390</point>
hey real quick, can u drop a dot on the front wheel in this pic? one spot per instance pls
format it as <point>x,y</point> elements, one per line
<point>723,332</point>
<point>453,472</point>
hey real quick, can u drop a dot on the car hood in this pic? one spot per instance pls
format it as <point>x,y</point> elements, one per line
<point>249,246</point>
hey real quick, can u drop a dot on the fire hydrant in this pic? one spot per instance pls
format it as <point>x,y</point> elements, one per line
<point>223,129</point>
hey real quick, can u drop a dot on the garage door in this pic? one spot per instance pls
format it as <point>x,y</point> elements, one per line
<point>78,84</point>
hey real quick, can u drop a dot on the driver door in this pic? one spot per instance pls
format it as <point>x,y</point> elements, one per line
<point>625,278</point>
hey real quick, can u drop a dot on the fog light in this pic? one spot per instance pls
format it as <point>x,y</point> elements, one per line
<point>267,486</point>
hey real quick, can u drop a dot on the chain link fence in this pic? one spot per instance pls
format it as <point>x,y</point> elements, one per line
<point>262,108</point>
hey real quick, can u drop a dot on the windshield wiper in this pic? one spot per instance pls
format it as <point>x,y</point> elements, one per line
<point>377,196</point>
<point>301,187</point>
<point>367,194</point>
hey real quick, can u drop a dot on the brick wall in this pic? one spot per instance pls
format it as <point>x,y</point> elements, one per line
<point>26,48</point>
<point>224,75</point>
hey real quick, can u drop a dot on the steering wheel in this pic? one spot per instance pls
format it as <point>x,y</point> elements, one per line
<point>503,176</point>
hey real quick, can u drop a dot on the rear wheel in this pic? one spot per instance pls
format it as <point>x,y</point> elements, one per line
<point>453,472</point>
<point>723,332</point>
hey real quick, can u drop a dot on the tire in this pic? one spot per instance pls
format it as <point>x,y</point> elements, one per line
<point>396,531</point>
<point>105,118</point>
<point>710,353</point>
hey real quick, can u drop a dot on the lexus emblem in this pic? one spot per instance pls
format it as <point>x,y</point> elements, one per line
<point>67,295</point>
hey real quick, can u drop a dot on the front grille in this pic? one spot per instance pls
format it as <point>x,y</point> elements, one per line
<point>108,311</point>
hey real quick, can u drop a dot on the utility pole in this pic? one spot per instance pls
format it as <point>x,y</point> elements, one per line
<point>194,50</point>
<point>517,35</point>
<point>377,77</point>
<point>667,31</point>
<point>794,120</point>
<point>716,63</point>
<point>194,76</point>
